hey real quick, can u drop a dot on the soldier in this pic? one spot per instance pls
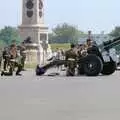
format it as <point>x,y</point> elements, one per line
<point>5,55</point>
<point>13,62</point>
<point>82,52</point>
<point>62,57</point>
<point>58,56</point>
<point>70,58</point>
<point>23,54</point>
<point>88,43</point>
<point>0,58</point>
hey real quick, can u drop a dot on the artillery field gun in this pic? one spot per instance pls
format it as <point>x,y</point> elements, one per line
<point>100,59</point>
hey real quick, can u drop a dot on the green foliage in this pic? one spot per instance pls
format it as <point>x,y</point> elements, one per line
<point>8,34</point>
<point>30,65</point>
<point>2,44</point>
<point>115,32</point>
<point>65,33</point>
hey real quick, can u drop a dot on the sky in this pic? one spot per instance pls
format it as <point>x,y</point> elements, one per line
<point>95,15</point>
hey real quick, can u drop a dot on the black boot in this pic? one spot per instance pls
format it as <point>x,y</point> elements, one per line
<point>19,70</point>
<point>18,74</point>
<point>2,73</point>
<point>6,73</point>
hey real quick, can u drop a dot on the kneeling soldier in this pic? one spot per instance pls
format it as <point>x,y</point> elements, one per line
<point>14,61</point>
<point>70,58</point>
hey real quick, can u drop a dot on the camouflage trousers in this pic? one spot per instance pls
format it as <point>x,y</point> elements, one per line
<point>71,65</point>
<point>12,66</point>
<point>23,62</point>
<point>5,64</point>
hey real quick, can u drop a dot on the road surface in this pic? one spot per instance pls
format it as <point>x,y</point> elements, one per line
<point>60,98</point>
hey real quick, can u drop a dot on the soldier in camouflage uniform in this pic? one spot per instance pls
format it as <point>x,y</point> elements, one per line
<point>89,43</point>
<point>82,52</point>
<point>23,55</point>
<point>5,55</point>
<point>14,61</point>
<point>70,58</point>
<point>0,58</point>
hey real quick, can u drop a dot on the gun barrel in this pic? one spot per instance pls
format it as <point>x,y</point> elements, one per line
<point>111,43</point>
<point>41,70</point>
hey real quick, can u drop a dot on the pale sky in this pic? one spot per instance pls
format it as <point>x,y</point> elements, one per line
<point>102,15</point>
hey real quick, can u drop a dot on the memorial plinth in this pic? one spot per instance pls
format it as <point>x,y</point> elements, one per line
<point>34,28</point>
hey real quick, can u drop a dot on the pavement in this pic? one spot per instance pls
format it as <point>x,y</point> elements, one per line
<point>30,97</point>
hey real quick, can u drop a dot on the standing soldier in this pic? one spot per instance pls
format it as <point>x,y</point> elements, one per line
<point>70,58</point>
<point>57,56</point>
<point>0,58</point>
<point>88,43</point>
<point>5,55</point>
<point>62,57</point>
<point>23,55</point>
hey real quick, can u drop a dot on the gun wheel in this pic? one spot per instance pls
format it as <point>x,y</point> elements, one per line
<point>92,65</point>
<point>109,68</point>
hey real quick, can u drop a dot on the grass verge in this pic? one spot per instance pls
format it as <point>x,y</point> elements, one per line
<point>65,46</point>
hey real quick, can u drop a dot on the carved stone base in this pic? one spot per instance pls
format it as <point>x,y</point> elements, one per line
<point>36,55</point>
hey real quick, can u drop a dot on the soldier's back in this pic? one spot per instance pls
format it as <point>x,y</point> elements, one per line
<point>71,53</point>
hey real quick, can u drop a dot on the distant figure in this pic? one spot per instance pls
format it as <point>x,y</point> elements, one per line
<point>58,52</point>
<point>28,40</point>
<point>62,54</point>
<point>54,53</point>
<point>62,57</point>
<point>58,55</point>
<point>0,58</point>
<point>89,43</point>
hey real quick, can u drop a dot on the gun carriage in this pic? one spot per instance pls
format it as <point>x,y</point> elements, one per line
<point>99,59</point>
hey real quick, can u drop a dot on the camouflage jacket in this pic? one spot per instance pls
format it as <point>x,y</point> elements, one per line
<point>71,54</point>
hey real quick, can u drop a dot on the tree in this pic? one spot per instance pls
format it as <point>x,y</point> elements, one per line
<point>2,44</point>
<point>115,32</point>
<point>8,34</point>
<point>51,37</point>
<point>65,33</point>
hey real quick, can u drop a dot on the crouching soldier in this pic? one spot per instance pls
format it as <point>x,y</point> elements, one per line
<point>14,61</point>
<point>70,58</point>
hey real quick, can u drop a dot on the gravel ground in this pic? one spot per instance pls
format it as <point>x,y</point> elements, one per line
<point>59,98</point>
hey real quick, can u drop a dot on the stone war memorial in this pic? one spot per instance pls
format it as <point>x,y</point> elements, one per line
<point>34,31</point>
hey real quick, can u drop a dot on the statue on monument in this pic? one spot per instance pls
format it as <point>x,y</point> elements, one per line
<point>28,40</point>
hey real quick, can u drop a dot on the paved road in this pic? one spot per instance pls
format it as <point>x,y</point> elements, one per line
<point>60,98</point>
